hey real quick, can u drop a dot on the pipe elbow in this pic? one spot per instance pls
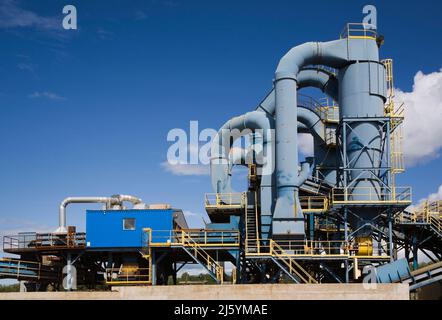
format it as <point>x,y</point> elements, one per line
<point>295,59</point>
<point>258,121</point>
<point>303,174</point>
<point>119,198</point>
<point>332,53</point>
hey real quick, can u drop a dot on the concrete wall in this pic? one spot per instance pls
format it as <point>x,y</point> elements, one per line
<point>233,292</point>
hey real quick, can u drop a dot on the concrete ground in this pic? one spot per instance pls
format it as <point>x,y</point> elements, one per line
<point>230,292</point>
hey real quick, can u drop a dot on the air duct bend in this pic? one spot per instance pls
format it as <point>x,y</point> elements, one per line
<point>317,78</point>
<point>223,141</point>
<point>115,200</point>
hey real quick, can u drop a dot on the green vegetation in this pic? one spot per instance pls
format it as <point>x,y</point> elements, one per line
<point>10,288</point>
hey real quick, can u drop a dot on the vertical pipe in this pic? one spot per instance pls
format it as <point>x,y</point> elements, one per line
<point>390,236</point>
<point>312,226</point>
<point>286,221</point>
<point>154,268</point>
<point>69,277</point>
<point>347,279</point>
<point>415,253</point>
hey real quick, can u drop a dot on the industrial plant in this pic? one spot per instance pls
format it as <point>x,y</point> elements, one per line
<point>337,217</point>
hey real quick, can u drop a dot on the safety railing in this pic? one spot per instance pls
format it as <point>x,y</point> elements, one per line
<point>205,238</point>
<point>202,256</point>
<point>328,110</point>
<point>23,270</point>
<point>358,31</point>
<point>300,248</point>
<point>397,154</point>
<point>293,267</point>
<point>224,200</point>
<point>314,204</point>
<point>327,226</point>
<point>429,212</point>
<point>371,195</point>
<point>127,276</point>
<point>389,105</point>
<point>40,241</point>
<point>325,108</point>
<point>194,241</point>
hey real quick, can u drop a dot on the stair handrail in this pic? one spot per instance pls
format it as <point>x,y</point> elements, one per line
<point>284,256</point>
<point>210,262</point>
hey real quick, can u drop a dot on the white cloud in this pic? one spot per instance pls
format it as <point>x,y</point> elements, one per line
<point>12,16</point>
<point>46,94</point>
<point>305,144</point>
<point>423,118</point>
<point>26,67</point>
<point>437,195</point>
<point>195,220</point>
<point>431,197</point>
<point>186,169</point>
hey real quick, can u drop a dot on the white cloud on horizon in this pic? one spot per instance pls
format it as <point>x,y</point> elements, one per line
<point>46,94</point>
<point>423,118</point>
<point>13,16</point>
<point>186,169</point>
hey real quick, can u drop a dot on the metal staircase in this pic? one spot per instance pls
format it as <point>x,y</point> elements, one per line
<point>316,187</point>
<point>200,256</point>
<point>292,268</point>
<point>251,224</point>
<point>428,216</point>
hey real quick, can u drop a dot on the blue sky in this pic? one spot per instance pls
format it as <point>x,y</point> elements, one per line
<point>87,111</point>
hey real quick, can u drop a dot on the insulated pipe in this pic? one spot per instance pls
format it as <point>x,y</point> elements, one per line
<point>317,78</point>
<point>327,83</point>
<point>242,157</point>
<point>222,143</point>
<point>308,121</point>
<point>287,219</point>
<point>109,201</point>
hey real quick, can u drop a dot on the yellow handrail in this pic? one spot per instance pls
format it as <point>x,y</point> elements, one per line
<point>293,266</point>
<point>200,253</point>
<point>371,195</point>
<point>224,200</point>
<point>358,31</point>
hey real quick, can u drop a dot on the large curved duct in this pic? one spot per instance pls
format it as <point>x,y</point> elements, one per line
<point>223,141</point>
<point>287,218</point>
<point>309,77</point>
<point>308,122</point>
<point>115,200</point>
<point>327,83</point>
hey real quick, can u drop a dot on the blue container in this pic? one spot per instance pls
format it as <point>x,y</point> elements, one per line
<point>124,228</point>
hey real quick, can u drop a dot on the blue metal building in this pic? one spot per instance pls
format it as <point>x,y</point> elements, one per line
<point>124,228</point>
